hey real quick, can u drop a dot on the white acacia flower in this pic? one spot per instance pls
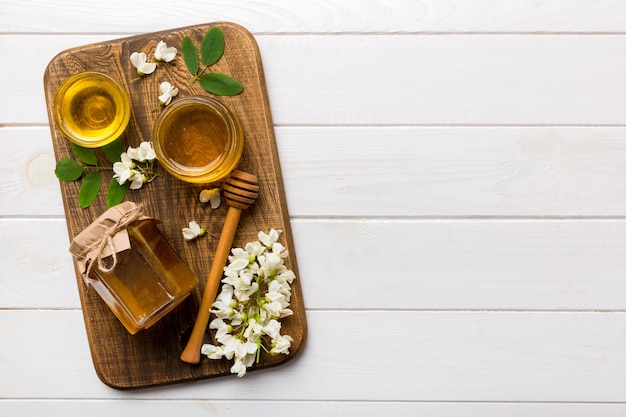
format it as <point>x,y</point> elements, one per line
<point>255,296</point>
<point>211,351</point>
<point>244,353</point>
<point>193,231</point>
<point>125,171</point>
<point>239,368</point>
<point>163,53</point>
<point>238,260</point>
<point>243,292</point>
<point>139,61</point>
<point>212,196</point>
<point>268,239</point>
<point>144,152</point>
<point>223,329</point>
<point>254,248</point>
<point>223,305</point>
<point>168,91</point>
<point>272,329</point>
<point>281,344</point>
<point>253,332</point>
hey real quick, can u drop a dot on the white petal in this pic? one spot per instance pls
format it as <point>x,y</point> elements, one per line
<point>189,234</point>
<point>238,368</point>
<point>195,227</point>
<point>163,53</point>
<point>137,182</point>
<point>213,196</point>
<point>119,168</point>
<point>132,153</point>
<point>211,351</point>
<point>146,68</point>
<point>169,54</point>
<point>165,87</point>
<point>137,58</point>
<point>158,52</point>
<point>216,200</point>
<point>165,99</point>
<point>238,264</point>
<point>126,160</point>
<point>147,150</point>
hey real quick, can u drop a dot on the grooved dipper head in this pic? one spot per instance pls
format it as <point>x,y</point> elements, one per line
<point>241,189</point>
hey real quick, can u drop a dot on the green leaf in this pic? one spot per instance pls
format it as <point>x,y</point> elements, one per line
<point>114,150</point>
<point>220,84</point>
<point>84,154</point>
<point>89,189</point>
<point>190,55</point>
<point>212,46</point>
<point>116,192</point>
<point>68,170</point>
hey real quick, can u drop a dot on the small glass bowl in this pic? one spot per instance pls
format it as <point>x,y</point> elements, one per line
<point>198,140</point>
<point>91,109</point>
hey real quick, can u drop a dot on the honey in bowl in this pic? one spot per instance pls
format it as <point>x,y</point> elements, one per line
<point>91,109</point>
<point>198,140</point>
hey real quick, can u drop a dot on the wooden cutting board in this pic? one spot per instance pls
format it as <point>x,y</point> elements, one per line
<point>151,357</point>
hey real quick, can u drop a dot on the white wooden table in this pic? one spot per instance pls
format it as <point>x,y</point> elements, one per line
<point>456,176</point>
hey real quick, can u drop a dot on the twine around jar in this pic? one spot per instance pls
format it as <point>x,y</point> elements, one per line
<point>97,241</point>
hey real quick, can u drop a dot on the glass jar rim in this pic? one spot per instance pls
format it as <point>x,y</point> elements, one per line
<point>77,138</point>
<point>227,160</point>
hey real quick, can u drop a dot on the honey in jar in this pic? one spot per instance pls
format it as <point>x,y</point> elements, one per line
<point>149,279</point>
<point>91,109</point>
<point>198,140</point>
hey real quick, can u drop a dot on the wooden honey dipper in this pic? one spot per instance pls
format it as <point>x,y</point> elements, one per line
<point>240,192</point>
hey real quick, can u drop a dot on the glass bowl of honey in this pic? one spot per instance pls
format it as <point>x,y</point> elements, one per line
<point>198,140</point>
<point>91,109</point>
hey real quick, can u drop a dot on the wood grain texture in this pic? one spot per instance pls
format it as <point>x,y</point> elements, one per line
<point>151,357</point>
<point>508,192</point>
<point>401,79</point>
<point>332,16</point>
<point>419,356</point>
<point>523,265</point>
<point>444,172</point>
<point>236,408</point>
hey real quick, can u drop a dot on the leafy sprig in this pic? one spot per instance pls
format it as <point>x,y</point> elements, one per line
<point>69,170</point>
<point>211,50</point>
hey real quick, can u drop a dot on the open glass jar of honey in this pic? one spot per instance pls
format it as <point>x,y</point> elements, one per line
<point>91,109</point>
<point>198,140</point>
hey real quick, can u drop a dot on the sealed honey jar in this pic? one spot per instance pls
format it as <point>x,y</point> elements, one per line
<point>131,265</point>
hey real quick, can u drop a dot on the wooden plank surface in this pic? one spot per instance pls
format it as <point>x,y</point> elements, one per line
<point>151,357</point>
<point>456,264</point>
<point>506,227</point>
<point>451,172</point>
<point>234,408</point>
<point>289,16</point>
<point>419,356</point>
<point>407,80</point>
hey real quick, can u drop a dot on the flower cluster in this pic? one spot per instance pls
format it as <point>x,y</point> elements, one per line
<point>162,53</point>
<point>255,295</point>
<point>136,166</point>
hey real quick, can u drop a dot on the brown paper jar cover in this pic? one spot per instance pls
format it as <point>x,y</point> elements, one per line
<point>124,256</point>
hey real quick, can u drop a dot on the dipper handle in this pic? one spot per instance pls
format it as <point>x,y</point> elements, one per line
<point>240,192</point>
